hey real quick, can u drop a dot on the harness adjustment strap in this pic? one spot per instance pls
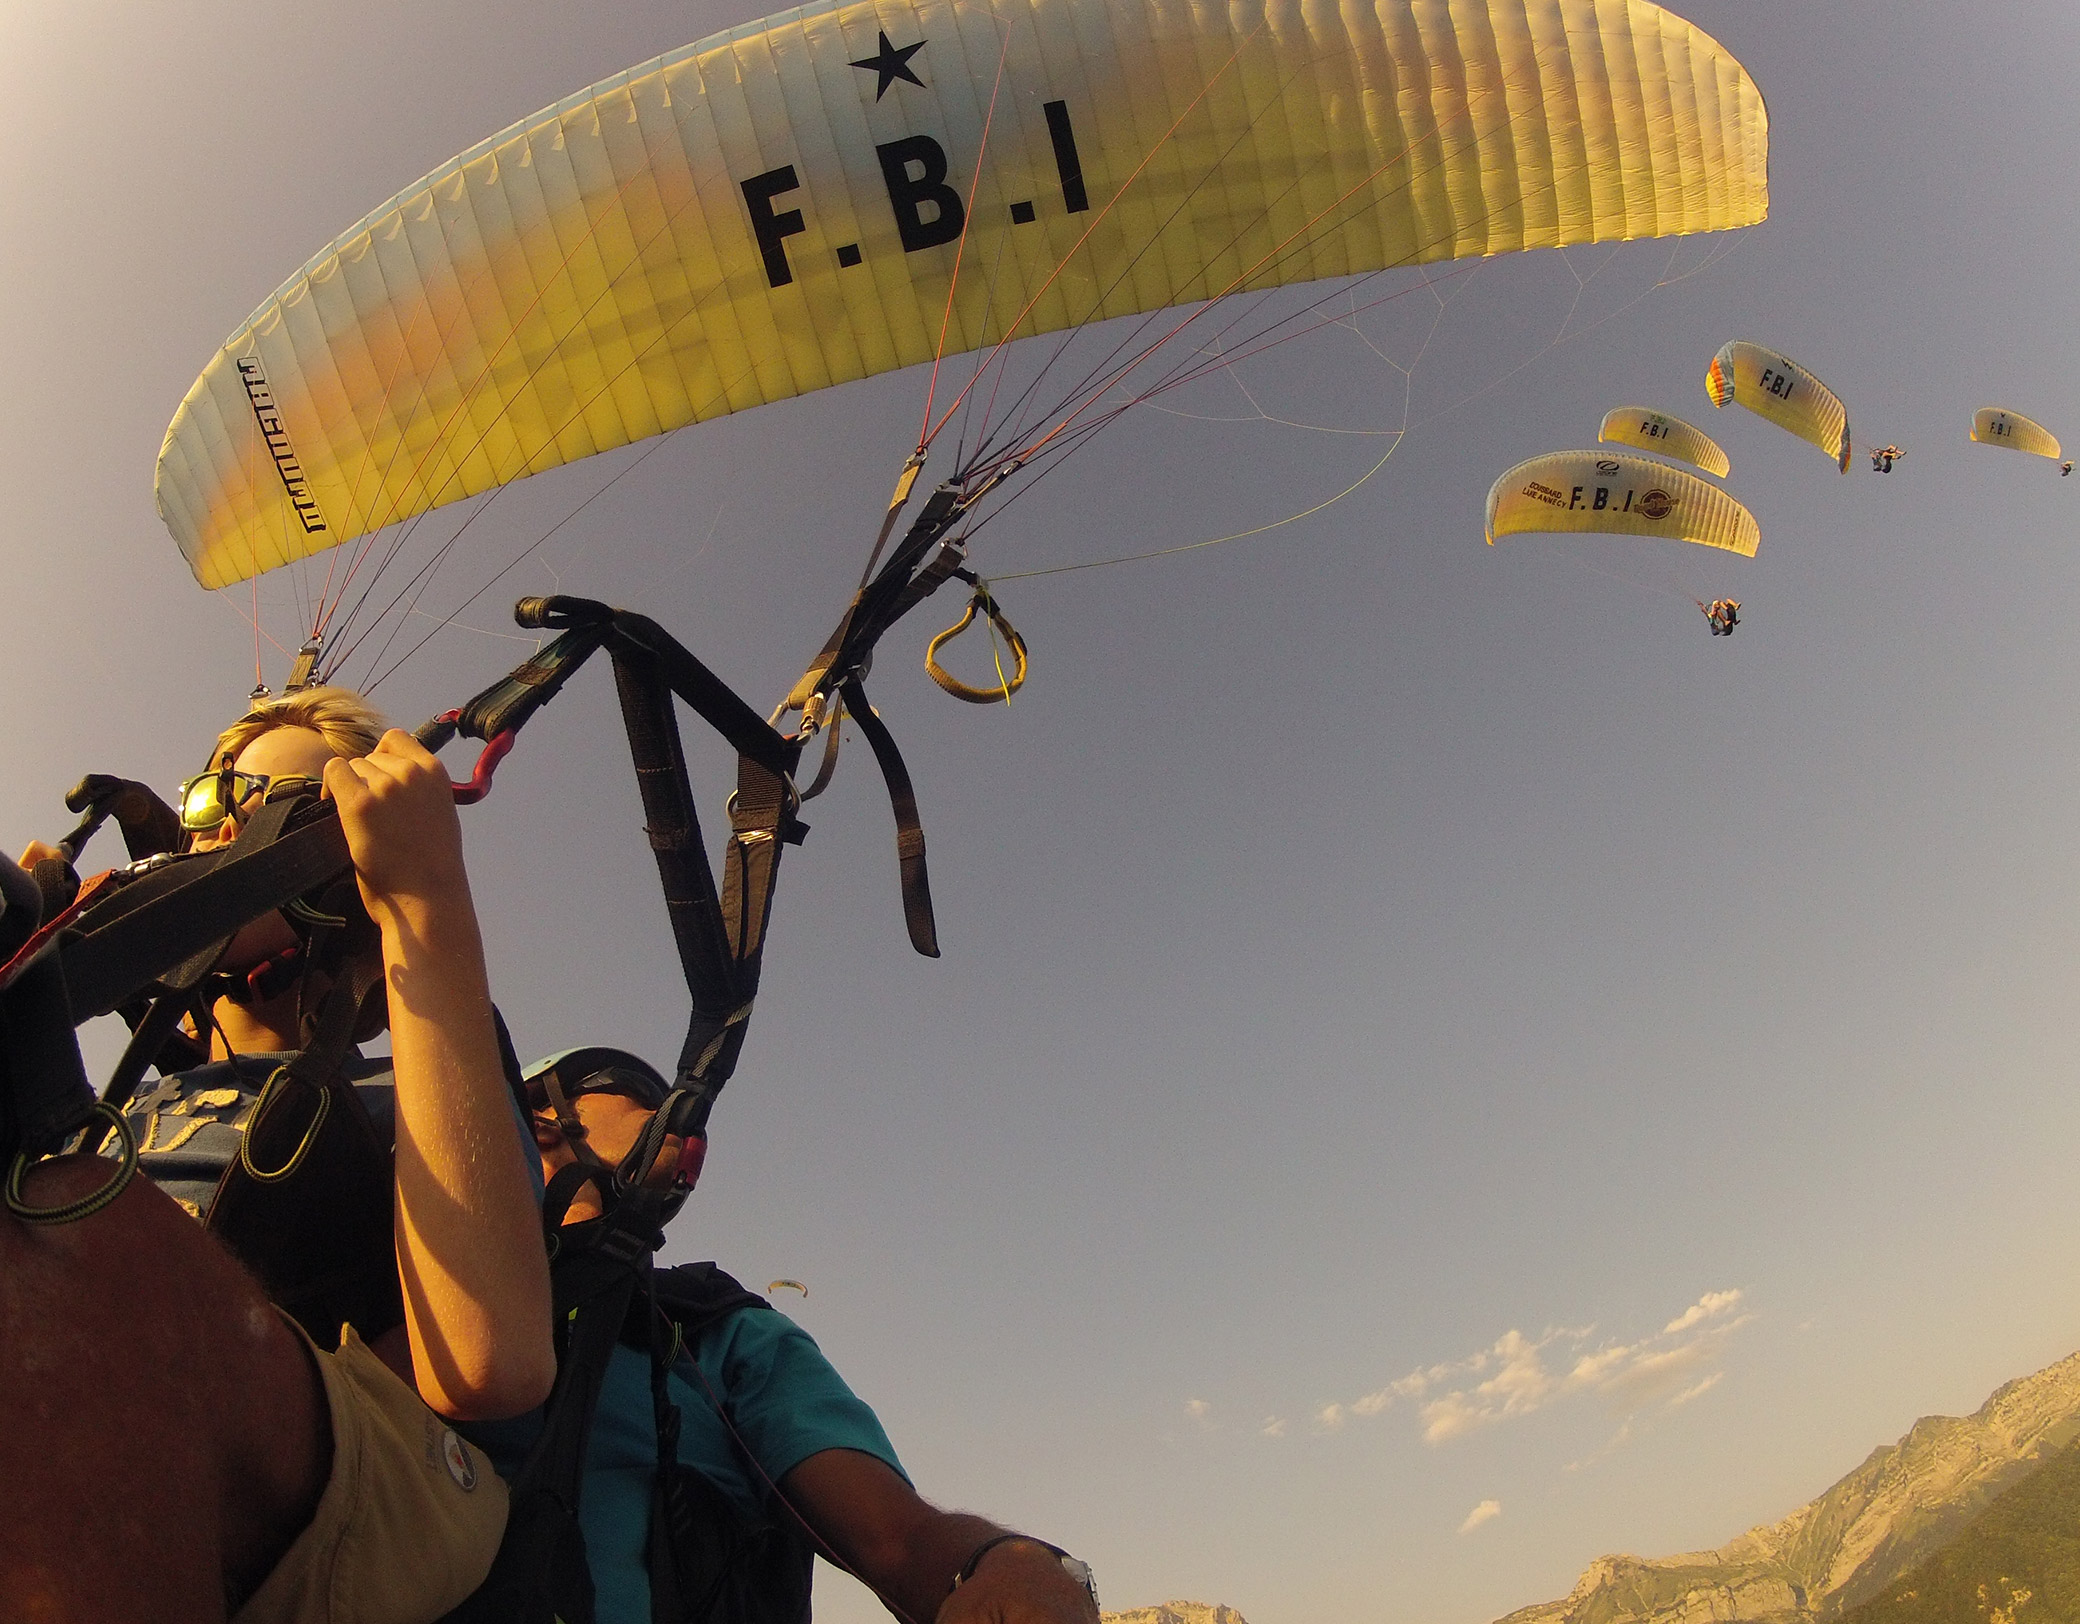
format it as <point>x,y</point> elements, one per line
<point>506,706</point>
<point>918,915</point>
<point>192,904</point>
<point>673,829</point>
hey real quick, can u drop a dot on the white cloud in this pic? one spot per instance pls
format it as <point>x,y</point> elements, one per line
<point>1274,1426</point>
<point>1486,1511</point>
<point>1517,1375</point>
<point>1414,1385</point>
<point>1521,1384</point>
<point>1199,1410</point>
<point>1710,1304</point>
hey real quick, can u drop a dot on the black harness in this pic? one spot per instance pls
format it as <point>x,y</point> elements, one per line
<point>146,939</point>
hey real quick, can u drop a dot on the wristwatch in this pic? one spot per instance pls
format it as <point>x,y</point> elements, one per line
<point>1075,1567</point>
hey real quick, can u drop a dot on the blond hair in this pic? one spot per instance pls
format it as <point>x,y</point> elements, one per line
<point>347,723</point>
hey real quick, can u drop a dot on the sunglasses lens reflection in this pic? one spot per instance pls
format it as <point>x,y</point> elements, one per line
<point>204,804</point>
<point>202,807</point>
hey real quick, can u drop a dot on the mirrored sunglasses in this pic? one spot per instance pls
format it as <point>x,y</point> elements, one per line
<point>207,799</point>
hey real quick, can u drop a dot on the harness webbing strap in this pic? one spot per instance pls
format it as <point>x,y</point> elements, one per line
<point>44,1093</point>
<point>828,766</point>
<point>713,700</point>
<point>885,598</point>
<point>540,1575</point>
<point>945,564</point>
<point>719,933</point>
<point>198,902</point>
<point>674,830</point>
<point>147,1038</point>
<point>918,917</point>
<point>506,706</point>
<point>761,815</point>
<point>878,604</point>
<point>595,1288</point>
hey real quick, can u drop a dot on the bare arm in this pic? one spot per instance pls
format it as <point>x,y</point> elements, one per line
<point>908,1550</point>
<point>469,1247</point>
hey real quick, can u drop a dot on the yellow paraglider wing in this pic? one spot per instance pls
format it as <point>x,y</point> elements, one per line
<point>786,1285</point>
<point>781,207</point>
<point>1650,430</point>
<point>1992,425</point>
<point>1601,493</point>
<point>1781,390</point>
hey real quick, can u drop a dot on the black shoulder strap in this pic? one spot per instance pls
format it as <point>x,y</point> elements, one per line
<point>118,946</point>
<point>693,1296</point>
<point>598,1270</point>
<point>706,1564</point>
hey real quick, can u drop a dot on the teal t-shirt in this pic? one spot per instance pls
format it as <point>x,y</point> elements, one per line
<point>786,1401</point>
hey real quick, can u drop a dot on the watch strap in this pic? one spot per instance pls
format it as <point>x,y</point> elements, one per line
<point>1076,1569</point>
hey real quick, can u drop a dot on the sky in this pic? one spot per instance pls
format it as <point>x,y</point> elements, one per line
<point>1441,1069</point>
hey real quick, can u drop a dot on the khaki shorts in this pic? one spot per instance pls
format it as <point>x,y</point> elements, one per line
<point>409,1520</point>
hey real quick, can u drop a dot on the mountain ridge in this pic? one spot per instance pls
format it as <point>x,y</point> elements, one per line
<point>1903,1503</point>
<point>1175,1612</point>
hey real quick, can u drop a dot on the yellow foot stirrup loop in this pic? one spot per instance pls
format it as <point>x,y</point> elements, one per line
<point>86,1206</point>
<point>1006,686</point>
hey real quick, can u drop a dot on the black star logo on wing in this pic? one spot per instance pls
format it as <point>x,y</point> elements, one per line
<point>891,64</point>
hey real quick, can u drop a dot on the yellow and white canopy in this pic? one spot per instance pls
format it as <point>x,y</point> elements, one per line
<point>1610,493</point>
<point>1650,430</point>
<point>1775,387</point>
<point>1994,425</point>
<point>782,207</point>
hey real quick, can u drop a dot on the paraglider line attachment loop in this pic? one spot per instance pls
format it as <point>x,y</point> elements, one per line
<point>794,803</point>
<point>303,1145</point>
<point>86,1206</point>
<point>981,485</point>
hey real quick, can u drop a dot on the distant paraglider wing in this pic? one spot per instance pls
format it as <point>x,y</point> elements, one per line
<point>787,1285</point>
<point>1657,431</point>
<point>1781,390</point>
<point>1993,425</point>
<point>783,207</point>
<point>1594,492</point>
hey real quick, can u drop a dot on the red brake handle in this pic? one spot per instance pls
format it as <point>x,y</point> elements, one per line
<point>441,729</point>
<point>478,784</point>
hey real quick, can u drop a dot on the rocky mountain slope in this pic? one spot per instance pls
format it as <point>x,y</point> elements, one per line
<point>1176,1612</point>
<point>2017,1563</point>
<point>1902,1505</point>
